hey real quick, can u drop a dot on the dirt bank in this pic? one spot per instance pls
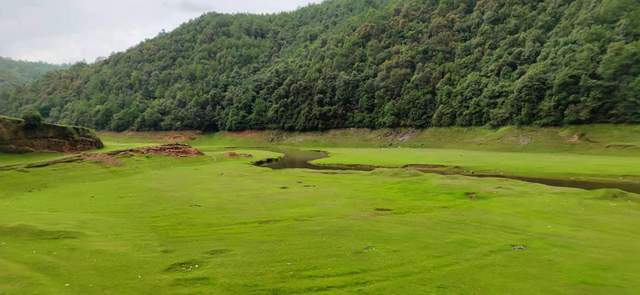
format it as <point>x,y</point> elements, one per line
<point>15,137</point>
<point>173,150</point>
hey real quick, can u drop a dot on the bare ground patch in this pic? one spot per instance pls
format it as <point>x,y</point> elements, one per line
<point>237,155</point>
<point>173,150</point>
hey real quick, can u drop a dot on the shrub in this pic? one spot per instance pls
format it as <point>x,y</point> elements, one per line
<point>32,119</point>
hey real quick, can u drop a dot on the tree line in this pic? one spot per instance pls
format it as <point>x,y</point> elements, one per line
<point>15,72</point>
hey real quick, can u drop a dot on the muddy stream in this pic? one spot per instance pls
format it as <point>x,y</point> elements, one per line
<point>301,159</point>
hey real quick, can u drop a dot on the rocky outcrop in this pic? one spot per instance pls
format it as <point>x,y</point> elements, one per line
<point>15,137</point>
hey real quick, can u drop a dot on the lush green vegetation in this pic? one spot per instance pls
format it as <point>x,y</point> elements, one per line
<point>15,72</point>
<point>364,63</point>
<point>31,119</point>
<point>7,159</point>
<point>217,225</point>
<point>520,164</point>
<point>589,152</point>
<point>583,139</point>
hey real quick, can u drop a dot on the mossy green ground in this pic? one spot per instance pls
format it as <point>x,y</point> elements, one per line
<point>561,165</point>
<point>11,159</point>
<point>218,225</point>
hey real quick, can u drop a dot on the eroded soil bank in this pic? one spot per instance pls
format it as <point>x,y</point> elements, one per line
<point>16,137</point>
<point>301,159</point>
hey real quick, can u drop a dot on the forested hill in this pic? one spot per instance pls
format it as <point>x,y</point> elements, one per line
<point>364,63</point>
<point>19,72</point>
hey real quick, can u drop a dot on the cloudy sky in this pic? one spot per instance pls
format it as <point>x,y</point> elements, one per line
<point>66,31</point>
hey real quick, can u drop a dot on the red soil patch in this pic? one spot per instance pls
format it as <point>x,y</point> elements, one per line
<point>173,150</point>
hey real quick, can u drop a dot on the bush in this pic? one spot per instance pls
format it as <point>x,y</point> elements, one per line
<point>32,119</point>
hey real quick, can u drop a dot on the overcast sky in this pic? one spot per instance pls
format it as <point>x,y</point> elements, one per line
<point>66,31</point>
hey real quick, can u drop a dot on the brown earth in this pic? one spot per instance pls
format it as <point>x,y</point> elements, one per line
<point>173,150</point>
<point>238,155</point>
<point>15,137</point>
<point>65,145</point>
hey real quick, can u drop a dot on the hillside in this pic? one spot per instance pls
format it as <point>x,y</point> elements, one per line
<point>19,72</point>
<point>365,64</point>
<point>17,137</point>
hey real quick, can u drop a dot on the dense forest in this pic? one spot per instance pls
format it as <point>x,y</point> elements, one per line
<point>15,72</point>
<point>363,63</point>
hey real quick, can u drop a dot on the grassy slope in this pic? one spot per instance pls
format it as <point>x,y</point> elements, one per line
<point>11,159</point>
<point>111,143</point>
<point>594,139</point>
<point>601,151</point>
<point>86,228</point>
<point>91,226</point>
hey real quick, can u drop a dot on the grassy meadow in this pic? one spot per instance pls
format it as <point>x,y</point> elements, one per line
<point>219,225</point>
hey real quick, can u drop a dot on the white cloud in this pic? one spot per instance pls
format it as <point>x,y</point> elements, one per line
<point>63,31</point>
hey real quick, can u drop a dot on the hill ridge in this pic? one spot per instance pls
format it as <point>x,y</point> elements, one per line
<point>363,64</point>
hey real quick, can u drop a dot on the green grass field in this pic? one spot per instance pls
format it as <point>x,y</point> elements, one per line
<point>13,159</point>
<point>219,225</point>
<point>522,164</point>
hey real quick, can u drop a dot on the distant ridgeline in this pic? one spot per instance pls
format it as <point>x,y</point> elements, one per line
<point>15,72</point>
<point>363,63</point>
<point>18,137</point>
